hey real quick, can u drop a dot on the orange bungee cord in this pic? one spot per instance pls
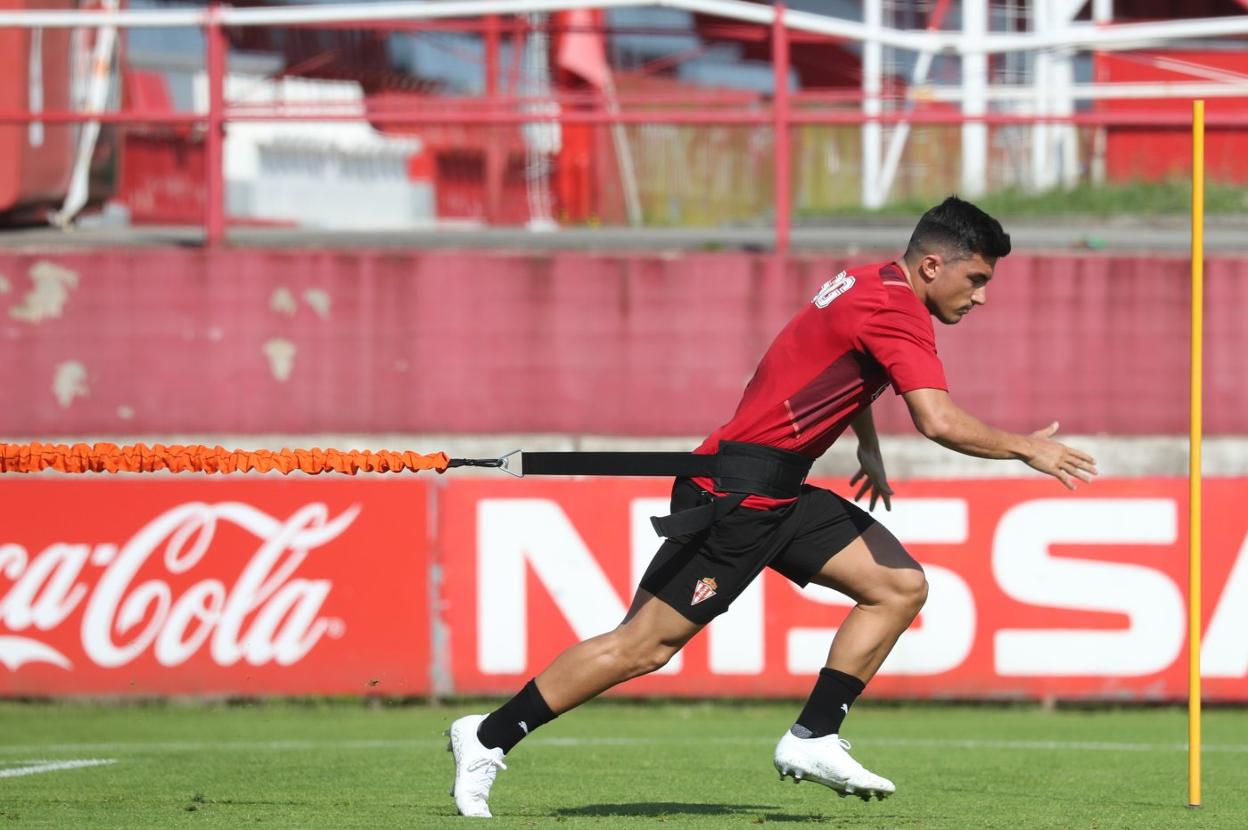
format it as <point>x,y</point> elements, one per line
<point>739,469</point>
<point>177,458</point>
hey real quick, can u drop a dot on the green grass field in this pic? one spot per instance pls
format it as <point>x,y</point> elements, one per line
<point>701,765</point>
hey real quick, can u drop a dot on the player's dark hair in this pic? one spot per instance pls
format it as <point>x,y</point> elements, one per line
<point>958,229</point>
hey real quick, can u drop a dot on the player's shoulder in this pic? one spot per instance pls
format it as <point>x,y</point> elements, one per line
<point>881,276</point>
<point>865,287</point>
<point>892,289</point>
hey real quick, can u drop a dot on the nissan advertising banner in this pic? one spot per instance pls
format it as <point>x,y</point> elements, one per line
<point>273,586</point>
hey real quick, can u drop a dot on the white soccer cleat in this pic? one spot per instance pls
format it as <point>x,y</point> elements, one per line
<point>475,767</point>
<point>826,761</point>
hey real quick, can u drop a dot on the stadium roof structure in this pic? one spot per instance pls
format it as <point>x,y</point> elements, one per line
<point>1077,35</point>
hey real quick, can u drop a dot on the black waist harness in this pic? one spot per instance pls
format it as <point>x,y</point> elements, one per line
<point>738,469</point>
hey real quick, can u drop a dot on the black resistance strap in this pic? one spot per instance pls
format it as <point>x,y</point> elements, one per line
<point>738,469</point>
<point>620,464</point>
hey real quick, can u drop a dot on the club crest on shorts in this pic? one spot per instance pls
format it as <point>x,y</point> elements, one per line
<point>704,590</point>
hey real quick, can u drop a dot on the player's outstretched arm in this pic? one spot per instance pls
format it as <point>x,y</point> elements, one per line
<point>943,421</point>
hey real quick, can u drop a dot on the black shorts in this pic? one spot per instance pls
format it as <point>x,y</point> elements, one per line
<point>700,575</point>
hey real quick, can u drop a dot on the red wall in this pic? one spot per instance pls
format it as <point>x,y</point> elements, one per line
<point>172,341</point>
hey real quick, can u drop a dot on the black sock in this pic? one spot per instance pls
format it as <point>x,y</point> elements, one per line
<point>509,723</point>
<point>828,704</point>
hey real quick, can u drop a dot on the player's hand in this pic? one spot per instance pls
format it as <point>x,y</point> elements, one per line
<point>1058,460</point>
<point>871,474</point>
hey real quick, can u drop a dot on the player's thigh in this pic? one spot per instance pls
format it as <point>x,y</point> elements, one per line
<point>840,546</point>
<point>873,568</point>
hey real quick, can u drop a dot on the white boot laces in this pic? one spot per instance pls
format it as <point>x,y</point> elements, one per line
<point>487,761</point>
<point>845,745</point>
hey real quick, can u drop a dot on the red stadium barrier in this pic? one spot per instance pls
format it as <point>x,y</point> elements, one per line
<point>235,587</point>
<point>265,586</point>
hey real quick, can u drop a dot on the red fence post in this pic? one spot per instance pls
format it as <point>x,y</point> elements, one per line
<point>494,158</point>
<point>214,140</point>
<point>780,114</point>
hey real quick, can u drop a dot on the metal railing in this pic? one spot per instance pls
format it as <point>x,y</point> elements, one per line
<point>782,110</point>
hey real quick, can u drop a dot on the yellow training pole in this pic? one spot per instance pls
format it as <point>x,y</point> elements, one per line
<point>1193,474</point>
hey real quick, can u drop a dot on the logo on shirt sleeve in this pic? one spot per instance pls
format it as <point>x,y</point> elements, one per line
<point>832,289</point>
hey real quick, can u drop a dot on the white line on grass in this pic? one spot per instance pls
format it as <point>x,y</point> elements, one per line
<point>424,743</point>
<point>36,767</point>
<point>1088,746</point>
<point>923,743</point>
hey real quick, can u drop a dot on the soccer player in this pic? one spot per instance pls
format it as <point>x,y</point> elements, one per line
<point>865,329</point>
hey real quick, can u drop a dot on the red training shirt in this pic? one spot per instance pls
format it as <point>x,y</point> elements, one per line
<point>865,329</point>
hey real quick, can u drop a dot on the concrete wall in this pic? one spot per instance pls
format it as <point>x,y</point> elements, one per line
<point>172,341</point>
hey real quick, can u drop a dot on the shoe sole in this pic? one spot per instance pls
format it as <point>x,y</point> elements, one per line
<point>841,788</point>
<point>450,747</point>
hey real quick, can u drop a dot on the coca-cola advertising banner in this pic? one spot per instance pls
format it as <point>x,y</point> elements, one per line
<point>213,586</point>
<point>265,585</point>
<point>1034,591</point>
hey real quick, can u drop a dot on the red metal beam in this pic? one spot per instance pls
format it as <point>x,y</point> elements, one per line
<point>494,155</point>
<point>780,127</point>
<point>76,117</point>
<point>679,99</point>
<point>1125,118</point>
<point>214,141</point>
<point>757,33</point>
<point>509,24</point>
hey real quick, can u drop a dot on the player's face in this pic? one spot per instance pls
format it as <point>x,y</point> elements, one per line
<point>957,285</point>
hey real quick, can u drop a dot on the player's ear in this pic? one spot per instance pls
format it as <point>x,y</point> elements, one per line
<point>929,266</point>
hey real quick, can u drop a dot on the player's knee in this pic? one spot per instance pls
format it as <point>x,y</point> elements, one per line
<point>655,660</point>
<point>910,590</point>
<point>650,658</point>
<point>633,657</point>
